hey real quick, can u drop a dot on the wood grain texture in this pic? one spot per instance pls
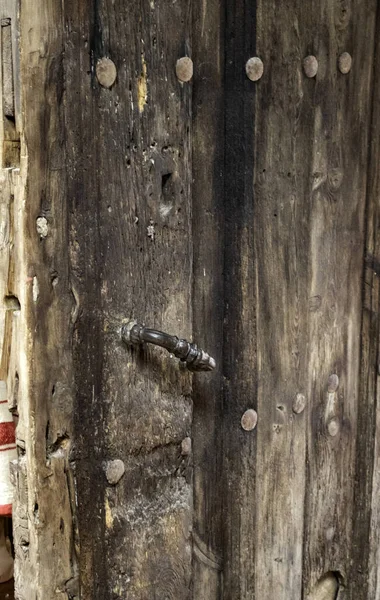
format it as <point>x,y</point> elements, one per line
<point>282,211</point>
<point>38,359</point>
<point>243,214</point>
<point>342,108</point>
<point>365,572</point>
<point>129,177</point>
<point>208,293</point>
<point>239,342</point>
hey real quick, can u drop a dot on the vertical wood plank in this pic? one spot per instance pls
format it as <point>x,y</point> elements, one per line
<point>239,349</point>
<point>282,213</point>
<point>39,366</point>
<point>208,304</point>
<point>340,155</point>
<point>129,165</point>
<point>365,574</point>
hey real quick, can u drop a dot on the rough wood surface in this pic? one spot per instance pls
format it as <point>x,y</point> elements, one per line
<point>36,355</point>
<point>208,294</point>
<point>365,570</point>
<point>129,175</point>
<point>282,201</point>
<point>341,121</point>
<point>241,213</point>
<point>239,340</point>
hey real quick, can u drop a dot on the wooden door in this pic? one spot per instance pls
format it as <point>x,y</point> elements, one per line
<point>235,207</point>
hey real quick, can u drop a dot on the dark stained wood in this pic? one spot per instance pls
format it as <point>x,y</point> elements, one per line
<point>364,580</point>
<point>129,175</point>
<point>239,348</point>
<point>208,293</point>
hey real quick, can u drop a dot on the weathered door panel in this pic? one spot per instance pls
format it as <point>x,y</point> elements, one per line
<point>241,214</point>
<point>129,175</point>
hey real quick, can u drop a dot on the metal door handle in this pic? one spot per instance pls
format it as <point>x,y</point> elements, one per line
<point>135,334</point>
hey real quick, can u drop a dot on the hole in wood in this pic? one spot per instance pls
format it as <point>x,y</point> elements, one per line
<point>327,587</point>
<point>165,180</point>
<point>12,302</point>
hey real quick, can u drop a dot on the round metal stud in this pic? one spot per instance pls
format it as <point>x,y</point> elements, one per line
<point>184,69</point>
<point>310,66</point>
<point>254,68</point>
<point>249,420</point>
<point>345,63</point>
<point>114,470</point>
<point>106,72</point>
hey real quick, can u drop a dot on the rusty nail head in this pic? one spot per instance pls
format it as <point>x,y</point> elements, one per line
<point>184,69</point>
<point>345,63</point>
<point>310,66</point>
<point>249,420</point>
<point>254,68</point>
<point>106,72</point>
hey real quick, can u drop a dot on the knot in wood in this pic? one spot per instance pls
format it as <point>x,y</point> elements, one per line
<point>310,66</point>
<point>254,68</point>
<point>249,420</point>
<point>332,383</point>
<point>299,404</point>
<point>114,470</point>
<point>345,63</point>
<point>106,72</point>
<point>184,69</point>
<point>333,427</point>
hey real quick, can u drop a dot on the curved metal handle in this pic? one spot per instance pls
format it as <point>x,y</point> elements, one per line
<point>135,334</point>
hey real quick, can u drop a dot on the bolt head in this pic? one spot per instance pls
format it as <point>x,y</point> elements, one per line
<point>249,420</point>
<point>345,63</point>
<point>106,72</point>
<point>254,68</point>
<point>114,470</point>
<point>184,69</point>
<point>310,66</point>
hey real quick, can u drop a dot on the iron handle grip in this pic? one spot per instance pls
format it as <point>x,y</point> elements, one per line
<point>196,359</point>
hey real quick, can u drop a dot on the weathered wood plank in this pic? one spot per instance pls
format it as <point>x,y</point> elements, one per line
<point>283,153</point>
<point>239,348</point>
<point>365,571</point>
<point>39,367</point>
<point>129,166</point>
<point>340,154</point>
<point>208,305</point>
